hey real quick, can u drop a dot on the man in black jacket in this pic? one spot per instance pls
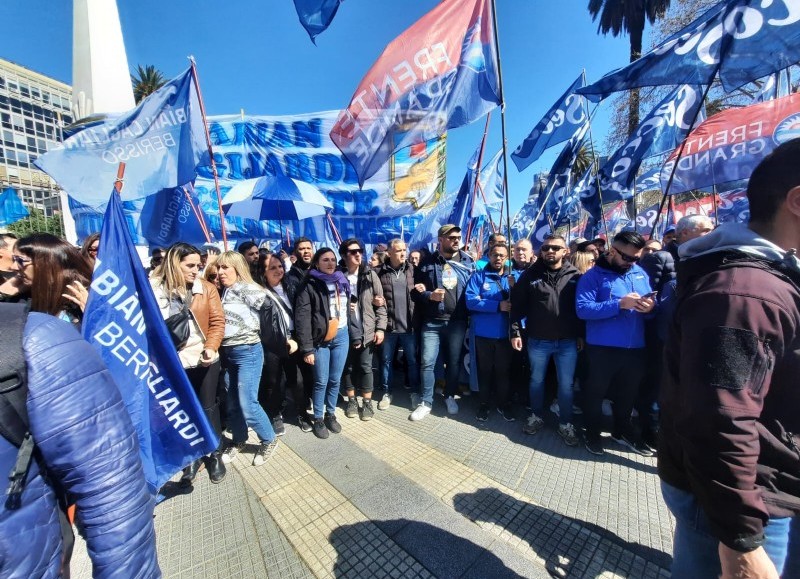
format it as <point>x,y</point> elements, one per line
<point>303,252</point>
<point>545,294</point>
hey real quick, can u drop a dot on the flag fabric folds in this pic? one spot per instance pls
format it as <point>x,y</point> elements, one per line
<point>471,203</point>
<point>728,146</point>
<point>123,323</point>
<point>441,73</point>
<point>11,208</point>
<point>743,40</point>
<point>160,141</point>
<point>662,130</point>
<point>557,125</point>
<point>316,15</point>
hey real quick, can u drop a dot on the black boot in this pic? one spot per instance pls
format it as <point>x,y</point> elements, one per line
<point>215,466</point>
<point>190,472</point>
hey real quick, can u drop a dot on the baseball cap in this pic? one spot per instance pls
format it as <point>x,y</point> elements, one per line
<point>445,229</point>
<point>669,229</point>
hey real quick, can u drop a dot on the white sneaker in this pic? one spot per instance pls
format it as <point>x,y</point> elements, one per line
<point>452,405</point>
<point>555,409</point>
<point>420,412</point>
<point>385,402</point>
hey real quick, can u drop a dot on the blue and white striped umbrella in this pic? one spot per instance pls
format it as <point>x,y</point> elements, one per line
<point>275,197</point>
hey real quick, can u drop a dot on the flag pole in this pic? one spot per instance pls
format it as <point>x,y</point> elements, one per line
<point>478,175</point>
<point>210,152</point>
<point>502,125</point>
<point>596,168</point>
<point>678,158</point>
<point>196,212</point>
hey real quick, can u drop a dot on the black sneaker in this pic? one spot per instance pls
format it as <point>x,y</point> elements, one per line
<point>506,413</point>
<point>635,445</point>
<point>367,413</point>
<point>333,424</point>
<point>278,426</point>
<point>483,413</point>
<point>320,430</point>
<point>595,446</point>
<point>305,422</point>
<point>351,411</point>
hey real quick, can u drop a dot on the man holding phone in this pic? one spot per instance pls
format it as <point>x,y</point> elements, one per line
<point>614,298</point>
<point>439,284</point>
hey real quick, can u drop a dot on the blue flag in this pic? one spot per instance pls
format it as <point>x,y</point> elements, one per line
<point>556,126</point>
<point>661,130</point>
<point>160,141</point>
<point>439,74</point>
<point>123,323</point>
<point>11,208</point>
<point>316,15</point>
<point>743,40</point>
<point>650,180</point>
<point>427,229</point>
<point>563,202</point>
<point>472,203</point>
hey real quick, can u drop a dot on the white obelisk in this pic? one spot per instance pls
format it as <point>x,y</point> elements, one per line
<point>101,81</point>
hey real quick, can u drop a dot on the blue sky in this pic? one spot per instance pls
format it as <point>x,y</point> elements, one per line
<point>254,55</point>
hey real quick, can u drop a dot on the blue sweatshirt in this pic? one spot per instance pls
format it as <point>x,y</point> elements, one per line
<point>597,301</point>
<point>483,301</point>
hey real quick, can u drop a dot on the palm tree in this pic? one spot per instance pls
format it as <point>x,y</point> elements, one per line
<point>628,17</point>
<point>583,161</point>
<point>149,81</point>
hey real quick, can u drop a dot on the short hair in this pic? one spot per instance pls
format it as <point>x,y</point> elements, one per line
<point>4,237</point>
<point>524,241</point>
<point>776,175</point>
<point>236,260</point>
<point>347,242</point>
<point>394,241</point>
<point>631,238</point>
<point>690,222</point>
<point>300,240</point>
<point>551,236</point>
<point>245,246</point>
<point>318,254</point>
<point>493,238</point>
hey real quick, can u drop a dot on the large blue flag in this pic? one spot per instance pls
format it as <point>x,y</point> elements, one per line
<point>563,202</point>
<point>122,321</point>
<point>161,141</point>
<point>316,15</point>
<point>743,40</point>
<point>437,75</point>
<point>11,208</point>
<point>426,231</point>
<point>470,202</point>
<point>662,130</point>
<point>556,126</point>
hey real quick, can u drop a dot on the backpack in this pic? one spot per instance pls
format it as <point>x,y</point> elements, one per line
<point>14,422</point>
<point>274,330</point>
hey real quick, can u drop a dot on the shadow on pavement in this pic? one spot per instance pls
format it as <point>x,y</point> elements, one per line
<point>443,554</point>
<point>561,541</point>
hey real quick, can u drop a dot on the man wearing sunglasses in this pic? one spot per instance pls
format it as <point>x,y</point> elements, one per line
<point>614,298</point>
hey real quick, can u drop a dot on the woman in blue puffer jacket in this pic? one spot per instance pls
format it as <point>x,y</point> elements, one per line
<point>90,449</point>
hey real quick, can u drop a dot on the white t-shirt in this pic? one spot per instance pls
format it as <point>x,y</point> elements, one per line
<point>338,311</point>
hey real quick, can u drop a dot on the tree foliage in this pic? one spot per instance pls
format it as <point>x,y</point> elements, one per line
<point>37,222</point>
<point>149,80</point>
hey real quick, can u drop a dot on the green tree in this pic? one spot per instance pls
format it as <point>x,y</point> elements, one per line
<point>628,17</point>
<point>149,80</point>
<point>583,160</point>
<point>37,222</point>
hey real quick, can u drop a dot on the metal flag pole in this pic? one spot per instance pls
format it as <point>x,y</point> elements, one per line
<point>197,214</point>
<point>596,168</point>
<point>478,175</point>
<point>502,125</point>
<point>210,152</point>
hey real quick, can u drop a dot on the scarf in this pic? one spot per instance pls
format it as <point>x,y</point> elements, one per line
<point>337,278</point>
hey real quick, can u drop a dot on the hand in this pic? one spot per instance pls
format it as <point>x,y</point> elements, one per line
<point>309,359</point>
<point>505,306</point>
<point>516,343</point>
<point>207,357</point>
<point>581,344</point>
<point>645,305</point>
<point>77,294</point>
<point>283,255</point>
<point>629,301</point>
<point>291,345</point>
<point>378,337</point>
<point>753,565</point>
<point>378,301</point>
<point>420,287</point>
<point>353,307</point>
<point>437,295</point>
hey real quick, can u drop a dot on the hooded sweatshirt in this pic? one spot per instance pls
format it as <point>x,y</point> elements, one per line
<point>730,395</point>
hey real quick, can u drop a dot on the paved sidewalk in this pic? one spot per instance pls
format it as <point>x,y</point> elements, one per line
<point>445,497</point>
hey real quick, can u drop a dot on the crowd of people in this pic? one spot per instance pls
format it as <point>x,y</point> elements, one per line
<point>708,316</point>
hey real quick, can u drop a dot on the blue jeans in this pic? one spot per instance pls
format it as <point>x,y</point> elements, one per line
<point>329,360</point>
<point>409,343</point>
<point>565,353</point>
<point>435,332</point>
<point>695,549</point>
<point>244,364</point>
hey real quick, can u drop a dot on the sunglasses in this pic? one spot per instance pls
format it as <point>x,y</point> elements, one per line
<point>454,238</point>
<point>21,261</point>
<point>626,257</point>
<point>354,252</point>
<point>92,250</point>
<point>552,248</point>
<point>212,277</point>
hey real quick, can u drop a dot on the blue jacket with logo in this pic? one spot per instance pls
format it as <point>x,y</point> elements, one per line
<point>485,290</point>
<point>90,448</point>
<point>597,301</point>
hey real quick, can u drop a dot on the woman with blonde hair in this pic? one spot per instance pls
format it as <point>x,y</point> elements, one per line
<point>243,356</point>
<point>582,260</point>
<point>177,286</point>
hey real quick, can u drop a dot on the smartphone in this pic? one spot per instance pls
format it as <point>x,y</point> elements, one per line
<point>650,296</point>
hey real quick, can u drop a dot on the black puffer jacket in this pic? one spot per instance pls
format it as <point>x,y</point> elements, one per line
<point>660,266</point>
<point>386,273</point>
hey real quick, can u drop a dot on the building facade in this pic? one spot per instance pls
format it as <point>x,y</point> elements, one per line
<point>33,110</point>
